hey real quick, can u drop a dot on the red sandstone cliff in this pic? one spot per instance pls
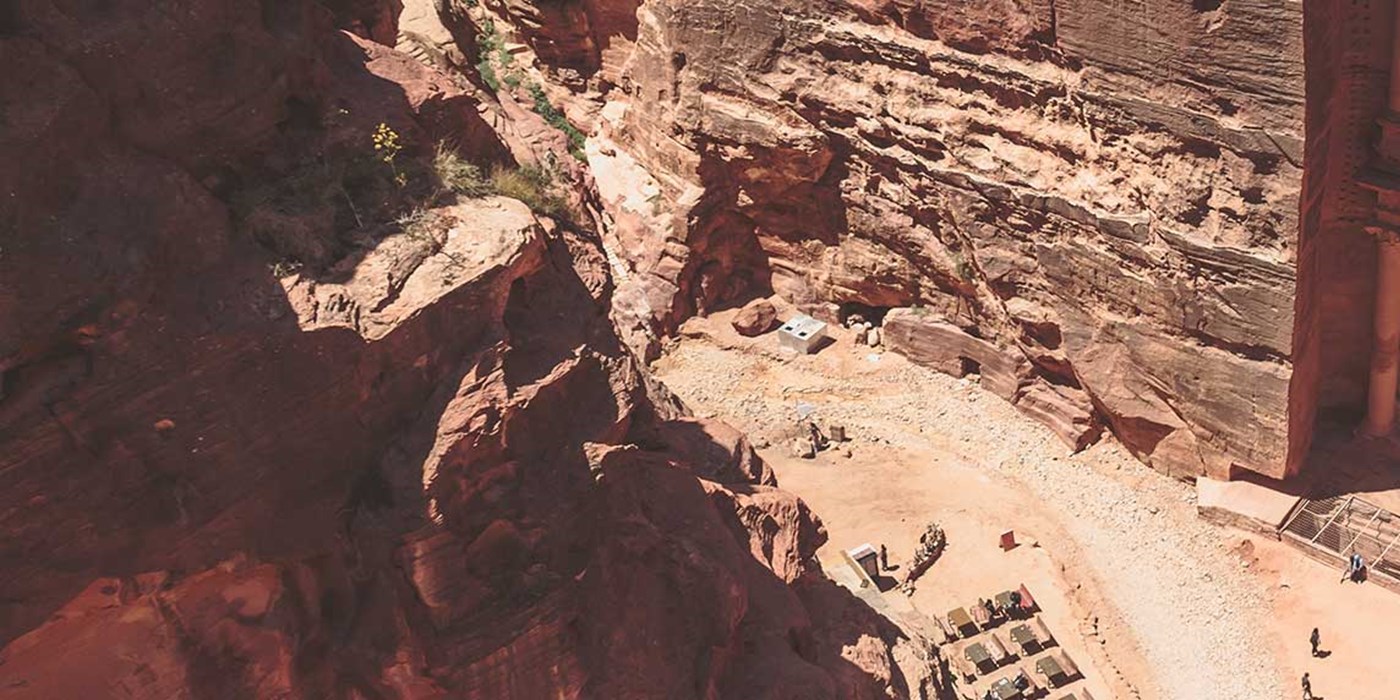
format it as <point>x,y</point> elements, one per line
<point>281,418</point>
<point>1097,202</point>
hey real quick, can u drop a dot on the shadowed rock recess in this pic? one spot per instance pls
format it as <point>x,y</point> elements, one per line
<point>324,324</point>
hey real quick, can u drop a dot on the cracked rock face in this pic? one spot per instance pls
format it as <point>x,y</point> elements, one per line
<point>1104,197</point>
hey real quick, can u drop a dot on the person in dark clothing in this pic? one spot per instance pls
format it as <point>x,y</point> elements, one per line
<point>814,434</point>
<point>1307,688</point>
<point>884,558</point>
<point>1316,639</point>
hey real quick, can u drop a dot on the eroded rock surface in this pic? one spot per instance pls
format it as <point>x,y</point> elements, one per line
<point>1097,190</point>
<point>284,415</point>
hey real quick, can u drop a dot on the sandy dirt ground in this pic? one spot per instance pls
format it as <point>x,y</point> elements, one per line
<point>1147,598</point>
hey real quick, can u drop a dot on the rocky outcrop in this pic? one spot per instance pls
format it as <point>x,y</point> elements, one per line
<point>921,337</point>
<point>715,451</point>
<point>288,415</point>
<point>1057,179</point>
<point>376,20</point>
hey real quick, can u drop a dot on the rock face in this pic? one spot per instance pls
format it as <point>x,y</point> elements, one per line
<point>1348,74</point>
<point>1007,374</point>
<point>284,416</point>
<point>1105,193</point>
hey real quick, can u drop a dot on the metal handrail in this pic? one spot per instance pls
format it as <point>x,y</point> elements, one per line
<point>1344,506</point>
<point>1360,532</point>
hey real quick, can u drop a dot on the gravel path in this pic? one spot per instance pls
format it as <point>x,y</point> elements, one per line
<point>1169,575</point>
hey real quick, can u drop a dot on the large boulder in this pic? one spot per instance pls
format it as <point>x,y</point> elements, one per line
<point>756,318</point>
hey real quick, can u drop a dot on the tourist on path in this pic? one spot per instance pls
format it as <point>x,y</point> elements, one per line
<point>1307,688</point>
<point>1316,639</point>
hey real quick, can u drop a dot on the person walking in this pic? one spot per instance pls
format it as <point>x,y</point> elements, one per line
<point>1307,688</point>
<point>1316,639</point>
<point>884,558</point>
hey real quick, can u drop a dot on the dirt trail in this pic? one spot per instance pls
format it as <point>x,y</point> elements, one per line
<point>1162,601</point>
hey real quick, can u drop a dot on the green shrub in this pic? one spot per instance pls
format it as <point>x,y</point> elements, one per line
<point>488,75</point>
<point>556,119</point>
<point>489,43</point>
<point>458,175</point>
<point>533,186</point>
<point>488,40</point>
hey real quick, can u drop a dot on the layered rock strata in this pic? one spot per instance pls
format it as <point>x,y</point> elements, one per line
<point>1104,193</point>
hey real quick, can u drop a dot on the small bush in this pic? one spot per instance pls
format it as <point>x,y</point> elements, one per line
<point>533,186</point>
<point>488,75</point>
<point>489,43</point>
<point>458,175</point>
<point>488,40</point>
<point>556,119</point>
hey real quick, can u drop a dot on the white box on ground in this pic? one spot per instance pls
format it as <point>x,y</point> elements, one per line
<point>801,334</point>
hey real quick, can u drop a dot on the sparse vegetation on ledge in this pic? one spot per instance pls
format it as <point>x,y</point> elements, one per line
<point>315,215</point>
<point>534,186</point>
<point>496,66</point>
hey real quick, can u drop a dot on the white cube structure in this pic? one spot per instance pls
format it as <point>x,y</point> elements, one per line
<point>801,334</point>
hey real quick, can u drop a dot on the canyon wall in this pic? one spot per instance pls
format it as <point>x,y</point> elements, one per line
<point>1349,48</point>
<point>1102,197</point>
<point>287,412</point>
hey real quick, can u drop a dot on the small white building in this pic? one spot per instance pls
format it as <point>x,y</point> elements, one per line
<point>801,334</point>
<point>865,560</point>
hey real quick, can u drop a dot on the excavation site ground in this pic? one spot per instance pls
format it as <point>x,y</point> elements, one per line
<point>1146,597</point>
